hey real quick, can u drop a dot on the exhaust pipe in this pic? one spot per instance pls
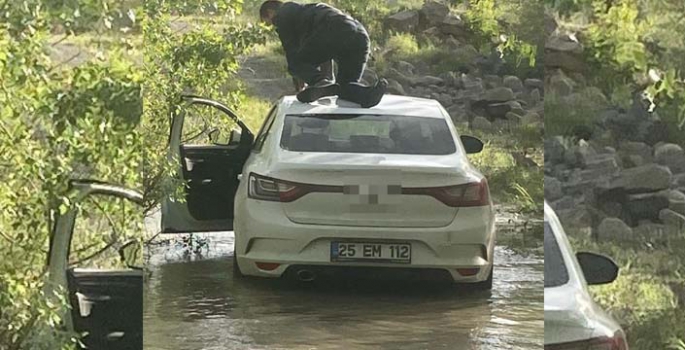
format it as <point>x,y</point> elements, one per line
<point>305,275</point>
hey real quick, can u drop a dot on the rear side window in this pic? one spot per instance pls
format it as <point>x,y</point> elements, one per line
<point>556,273</point>
<point>367,134</point>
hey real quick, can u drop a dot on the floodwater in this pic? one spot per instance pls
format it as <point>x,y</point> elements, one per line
<point>193,302</point>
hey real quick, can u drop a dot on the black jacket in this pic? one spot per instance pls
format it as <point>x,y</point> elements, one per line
<point>315,26</point>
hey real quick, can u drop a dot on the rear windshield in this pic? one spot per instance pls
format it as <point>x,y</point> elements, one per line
<point>367,134</point>
<point>555,269</point>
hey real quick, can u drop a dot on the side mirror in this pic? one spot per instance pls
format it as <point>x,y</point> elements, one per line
<point>472,144</point>
<point>598,269</point>
<point>235,136</point>
<point>131,255</point>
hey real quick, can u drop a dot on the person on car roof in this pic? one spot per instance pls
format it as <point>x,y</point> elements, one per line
<point>312,34</point>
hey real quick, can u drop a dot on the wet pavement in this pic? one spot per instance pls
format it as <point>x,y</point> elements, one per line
<point>193,302</point>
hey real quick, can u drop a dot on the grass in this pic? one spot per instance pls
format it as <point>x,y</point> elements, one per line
<point>253,111</point>
<point>510,182</point>
<point>70,50</point>
<point>406,47</point>
<point>642,298</point>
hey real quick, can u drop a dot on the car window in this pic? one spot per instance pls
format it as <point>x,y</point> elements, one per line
<point>206,125</point>
<point>103,225</point>
<point>556,273</point>
<point>264,131</point>
<point>367,134</point>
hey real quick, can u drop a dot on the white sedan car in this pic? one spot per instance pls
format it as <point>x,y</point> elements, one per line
<point>572,319</point>
<point>329,187</point>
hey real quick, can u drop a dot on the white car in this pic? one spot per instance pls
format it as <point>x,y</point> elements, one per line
<point>331,187</point>
<point>572,319</point>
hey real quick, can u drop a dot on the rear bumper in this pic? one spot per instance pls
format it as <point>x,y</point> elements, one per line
<point>264,234</point>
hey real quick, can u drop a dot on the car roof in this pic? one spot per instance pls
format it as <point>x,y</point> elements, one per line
<point>389,105</point>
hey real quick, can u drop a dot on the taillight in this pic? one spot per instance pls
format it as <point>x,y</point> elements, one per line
<point>269,189</point>
<point>474,194</point>
<point>616,342</point>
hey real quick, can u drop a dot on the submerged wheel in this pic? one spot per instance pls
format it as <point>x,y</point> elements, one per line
<point>236,269</point>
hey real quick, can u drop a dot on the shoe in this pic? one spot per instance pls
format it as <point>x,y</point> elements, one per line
<point>374,94</point>
<point>321,89</point>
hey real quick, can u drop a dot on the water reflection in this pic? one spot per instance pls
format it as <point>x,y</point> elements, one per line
<point>195,303</point>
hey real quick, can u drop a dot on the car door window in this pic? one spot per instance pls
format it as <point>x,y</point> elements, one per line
<point>264,131</point>
<point>556,273</point>
<point>103,225</point>
<point>206,125</point>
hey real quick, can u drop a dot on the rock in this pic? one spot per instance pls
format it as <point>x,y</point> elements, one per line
<point>444,99</point>
<point>649,231</point>
<point>432,32</point>
<point>516,107</point>
<point>646,178</point>
<point>646,206</point>
<point>405,21</point>
<point>480,123</point>
<point>457,113</point>
<point>554,149</point>
<point>552,189</point>
<point>453,43</point>
<point>428,80</point>
<point>677,201</point>
<point>492,81</point>
<point>561,85</point>
<point>611,209</point>
<point>672,156</point>
<point>534,84</point>
<point>513,118</point>
<point>394,87</point>
<point>565,203</point>
<point>501,94</point>
<point>433,13</point>
<point>498,110</point>
<point>576,221</point>
<point>614,229</point>
<point>561,42</point>
<point>452,24</point>
<point>535,96</point>
<point>565,61</point>
<point>531,118</point>
<point>595,96</point>
<point>633,161</point>
<point>449,78</point>
<point>674,222</point>
<point>605,162</point>
<point>629,148</point>
<point>397,75</point>
<point>513,82</point>
<point>679,180</point>
<point>406,68</point>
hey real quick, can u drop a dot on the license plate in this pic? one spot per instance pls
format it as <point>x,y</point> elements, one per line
<point>371,252</point>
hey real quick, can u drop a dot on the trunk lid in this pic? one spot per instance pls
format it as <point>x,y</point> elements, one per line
<point>370,188</point>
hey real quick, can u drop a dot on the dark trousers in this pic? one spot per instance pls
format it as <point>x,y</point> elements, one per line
<point>348,48</point>
<point>326,69</point>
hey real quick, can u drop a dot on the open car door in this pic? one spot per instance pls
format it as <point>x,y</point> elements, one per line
<point>210,144</point>
<point>94,257</point>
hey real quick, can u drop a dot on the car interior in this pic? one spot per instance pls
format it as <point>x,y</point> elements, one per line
<point>213,154</point>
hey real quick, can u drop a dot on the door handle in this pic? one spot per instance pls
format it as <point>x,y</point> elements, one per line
<point>85,302</point>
